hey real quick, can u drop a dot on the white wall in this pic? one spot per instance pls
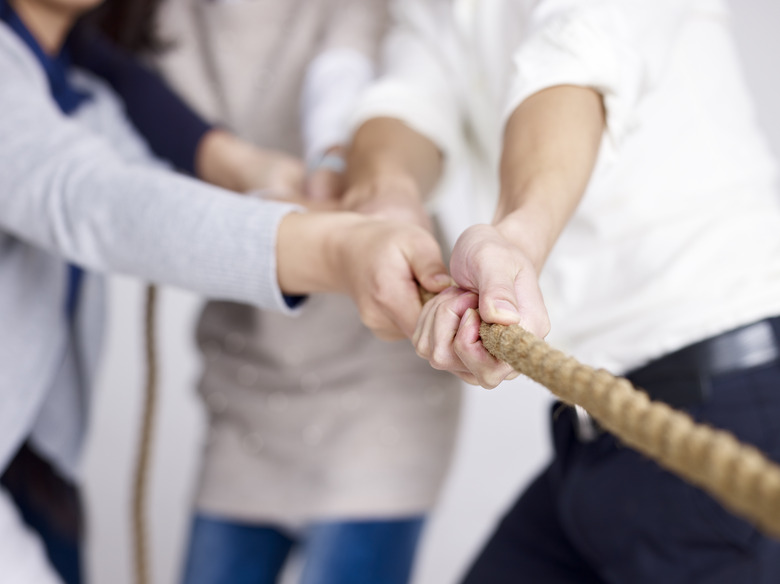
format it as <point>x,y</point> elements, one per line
<point>503,442</point>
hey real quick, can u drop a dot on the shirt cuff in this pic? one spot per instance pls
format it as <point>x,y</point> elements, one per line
<point>334,82</point>
<point>569,50</point>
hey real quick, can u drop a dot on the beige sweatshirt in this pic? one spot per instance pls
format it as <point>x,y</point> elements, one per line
<point>309,417</point>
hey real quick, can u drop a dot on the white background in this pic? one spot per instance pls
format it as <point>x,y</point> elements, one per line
<point>504,432</point>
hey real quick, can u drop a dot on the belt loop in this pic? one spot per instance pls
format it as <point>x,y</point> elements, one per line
<point>584,425</point>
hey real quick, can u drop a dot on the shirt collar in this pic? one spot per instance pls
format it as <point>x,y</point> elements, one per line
<point>56,67</point>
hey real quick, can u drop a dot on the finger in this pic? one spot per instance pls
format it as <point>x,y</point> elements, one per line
<point>497,295</point>
<point>467,377</point>
<point>467,344</point>
<point>389,334</point>
<point>422,337</point>
<point>324,185</point>
<point>446,322</point>
<point>533,313</point>
<point>428,266</point>
<point>381,327</point>
<point>391,311</point>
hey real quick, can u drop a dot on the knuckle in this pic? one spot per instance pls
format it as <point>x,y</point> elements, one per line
<point>372,318</point>
<point>423,349</point>
<point>461,346</point>
<point>440,358</point>
<point>489,381</point>
<point>468,378</point>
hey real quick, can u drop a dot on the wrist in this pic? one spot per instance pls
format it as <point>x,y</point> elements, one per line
<point>387,184</point>
<point>529,232</point>
<point>332,159</point>
<point>221,159</point>
<point>311,252</point>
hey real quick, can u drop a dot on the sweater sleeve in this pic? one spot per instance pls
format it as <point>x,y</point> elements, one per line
<point>65,190</point>
<point>171,128</point>
<point>620,48</point>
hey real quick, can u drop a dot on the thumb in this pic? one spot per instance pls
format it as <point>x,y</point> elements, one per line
<point>497,298</point>
<point>428,267</point>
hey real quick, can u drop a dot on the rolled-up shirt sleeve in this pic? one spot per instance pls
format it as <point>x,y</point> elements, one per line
<point>417,84</point>
<point>620,48</point>
<point>333,84</point>
<point>342,69</point>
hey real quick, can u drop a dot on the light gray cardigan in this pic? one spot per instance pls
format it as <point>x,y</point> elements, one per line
<point>85,190</point>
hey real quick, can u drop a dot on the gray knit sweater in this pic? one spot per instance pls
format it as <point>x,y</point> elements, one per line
<point>85,190</point>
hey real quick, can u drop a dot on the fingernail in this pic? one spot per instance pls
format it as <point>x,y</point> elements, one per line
<point>442,280</point>
<point>506,307</point>
<point>470,315</point>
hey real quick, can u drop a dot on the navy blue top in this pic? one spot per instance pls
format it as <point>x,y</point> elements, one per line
<point>171,128</point>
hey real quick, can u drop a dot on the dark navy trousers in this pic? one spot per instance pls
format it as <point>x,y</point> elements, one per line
<point>602,513</point>
<point>50,506</point>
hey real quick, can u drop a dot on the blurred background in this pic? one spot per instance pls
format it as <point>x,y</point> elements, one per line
<point>503,439</point>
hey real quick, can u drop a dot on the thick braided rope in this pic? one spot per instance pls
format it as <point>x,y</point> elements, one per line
<point>140,531</point>
<point>737,475</point>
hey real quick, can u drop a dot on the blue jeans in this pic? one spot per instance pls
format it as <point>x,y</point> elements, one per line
<point>335,552</point>
<point>603,514</point>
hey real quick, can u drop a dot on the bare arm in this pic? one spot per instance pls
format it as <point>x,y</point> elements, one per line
<point>550,147</point>
<point>551,144</point>
<point>225,160</point>
<point>390,170</point>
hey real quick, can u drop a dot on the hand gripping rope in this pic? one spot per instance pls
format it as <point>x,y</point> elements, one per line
<point>739,476</point>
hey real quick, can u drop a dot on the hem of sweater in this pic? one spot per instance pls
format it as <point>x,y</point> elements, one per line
<point>344,508</point>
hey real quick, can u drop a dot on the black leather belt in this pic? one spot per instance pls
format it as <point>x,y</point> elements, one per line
<point>683,378</point>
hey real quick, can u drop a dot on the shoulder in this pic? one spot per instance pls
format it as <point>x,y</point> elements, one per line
<point>17,63</point>
<point>105,115</point>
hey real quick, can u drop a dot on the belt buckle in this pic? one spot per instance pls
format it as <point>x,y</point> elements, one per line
<point>585,427</point>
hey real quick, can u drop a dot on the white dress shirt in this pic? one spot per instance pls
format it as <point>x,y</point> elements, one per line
<point>678,235</point>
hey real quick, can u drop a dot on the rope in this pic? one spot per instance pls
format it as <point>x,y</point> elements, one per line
<point>140,531</point>
<point>737,475</point>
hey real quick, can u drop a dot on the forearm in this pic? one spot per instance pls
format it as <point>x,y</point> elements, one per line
<point>387,150</point>
<point>225,160</point>
<point>551,144</point>
<point>307,252</point>
<point>221,159</point>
